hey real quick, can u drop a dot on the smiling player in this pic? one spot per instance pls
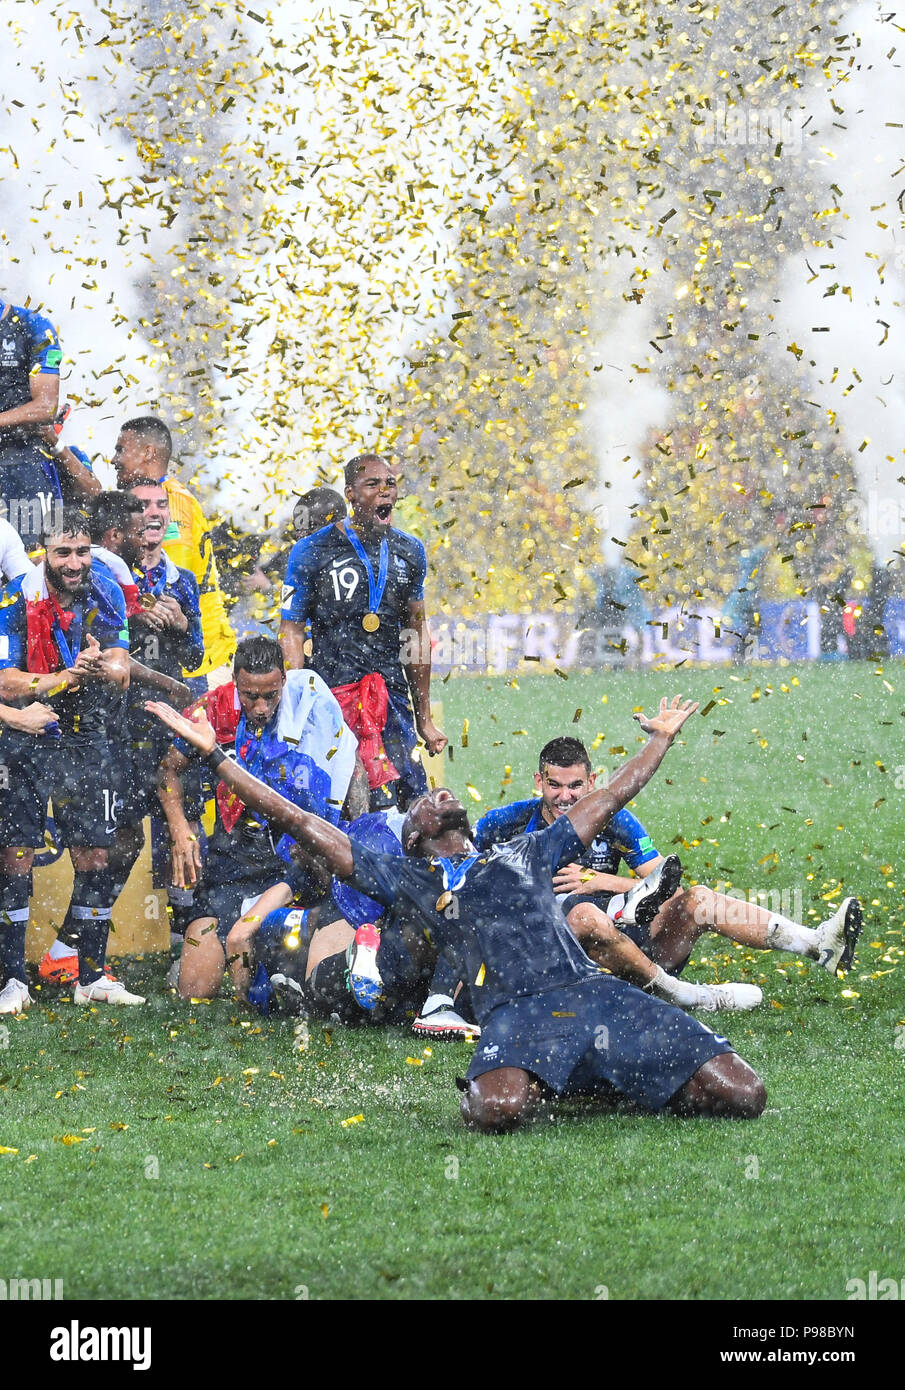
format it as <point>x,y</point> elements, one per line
<point>63,640</point>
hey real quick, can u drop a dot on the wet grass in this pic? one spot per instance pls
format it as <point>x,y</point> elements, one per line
<point>192,1152</point>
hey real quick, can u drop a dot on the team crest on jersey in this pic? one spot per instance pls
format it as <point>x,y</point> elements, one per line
<point>8,357</point>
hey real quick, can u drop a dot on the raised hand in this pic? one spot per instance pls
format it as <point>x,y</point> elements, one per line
<point>195,729</point>
<point>670,718</point>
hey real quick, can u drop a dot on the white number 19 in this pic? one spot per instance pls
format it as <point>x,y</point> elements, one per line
<point>348,578</point>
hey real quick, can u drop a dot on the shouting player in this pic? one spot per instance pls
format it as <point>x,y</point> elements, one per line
<point>360,583</point>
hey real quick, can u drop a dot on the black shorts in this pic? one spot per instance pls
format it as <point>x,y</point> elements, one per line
<point>137,764</point>
<point>75,774</point>
<point>598,1034</point>
<point>223,900</point>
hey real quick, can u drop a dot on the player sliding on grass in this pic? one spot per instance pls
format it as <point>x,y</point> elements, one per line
<point>651,949</point>
<point>550,1017</point>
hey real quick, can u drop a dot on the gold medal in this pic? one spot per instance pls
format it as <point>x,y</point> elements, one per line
<point>370,622</point>
<point>147,600</point>
<point>444,901</point>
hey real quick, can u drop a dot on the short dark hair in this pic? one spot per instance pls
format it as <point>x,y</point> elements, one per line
<point>64,521</point>
<point>321,499</point>
<point>143,482</point>
<point>563,752</point>
<point>111,510</point>
<point>258,655</point>
<point>149,427</point>
<point>354,466</point>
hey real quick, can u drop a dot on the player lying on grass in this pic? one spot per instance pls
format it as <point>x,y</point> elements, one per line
<point>653,950</point>
<point>551,1019</point>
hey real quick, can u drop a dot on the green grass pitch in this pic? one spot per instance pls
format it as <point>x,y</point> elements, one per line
<point>184,1151</point>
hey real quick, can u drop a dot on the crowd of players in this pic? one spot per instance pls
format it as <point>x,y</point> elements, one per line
<point>294,830</point>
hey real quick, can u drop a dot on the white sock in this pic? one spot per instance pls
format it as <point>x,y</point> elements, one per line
<point>680,992</point>
<point>785,935</point>
<point>59,949</point>
<point>436,1001</point>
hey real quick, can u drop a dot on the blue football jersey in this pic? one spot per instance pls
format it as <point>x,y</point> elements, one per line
<point>623,838</point>
<point>327,586</point>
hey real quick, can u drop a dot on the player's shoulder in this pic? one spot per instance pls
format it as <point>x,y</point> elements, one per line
<point>178,577</point>
<point>406,544</point>
<point>104,587</point>
<point>38,324</point>
<point>11,596</point>
<point>505,822</point>
<point>310,548</point>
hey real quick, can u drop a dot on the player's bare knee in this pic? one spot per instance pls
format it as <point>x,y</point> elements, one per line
<point>588,923</point>
<point>699,904</point>
<point>751,1098</point>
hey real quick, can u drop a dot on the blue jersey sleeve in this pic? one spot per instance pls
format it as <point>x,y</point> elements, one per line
<point>45,347</point>
<point>12,630</point>
<point>374,874</point>
<point>504,823</point>
<point>298,589</point>
<point>557,844</point>
<point>631,839</point>
<point>107,622</point>
<point>191,653</point>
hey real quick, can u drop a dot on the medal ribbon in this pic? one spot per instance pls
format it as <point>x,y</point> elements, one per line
<point>76,631</point>
<point>455,875</point>
<point>147,584</point>
<point>375,589</point>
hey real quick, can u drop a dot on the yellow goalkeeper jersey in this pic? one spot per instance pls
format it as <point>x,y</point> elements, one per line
<point>192,550</point>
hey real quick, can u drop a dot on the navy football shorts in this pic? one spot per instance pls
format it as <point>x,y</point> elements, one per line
<point>137,763</point>
<point>598,1034</point>
<point>223,899</point>
<point>75,774</point>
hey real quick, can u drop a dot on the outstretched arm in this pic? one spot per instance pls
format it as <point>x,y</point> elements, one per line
<point>590,814</point>
<point>316,836</point>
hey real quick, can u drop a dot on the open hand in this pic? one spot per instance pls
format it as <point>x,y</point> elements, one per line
<point>670,717</point>
<point>195,729</point>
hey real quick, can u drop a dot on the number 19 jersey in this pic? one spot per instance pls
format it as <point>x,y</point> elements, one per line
<point>327,586</point>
